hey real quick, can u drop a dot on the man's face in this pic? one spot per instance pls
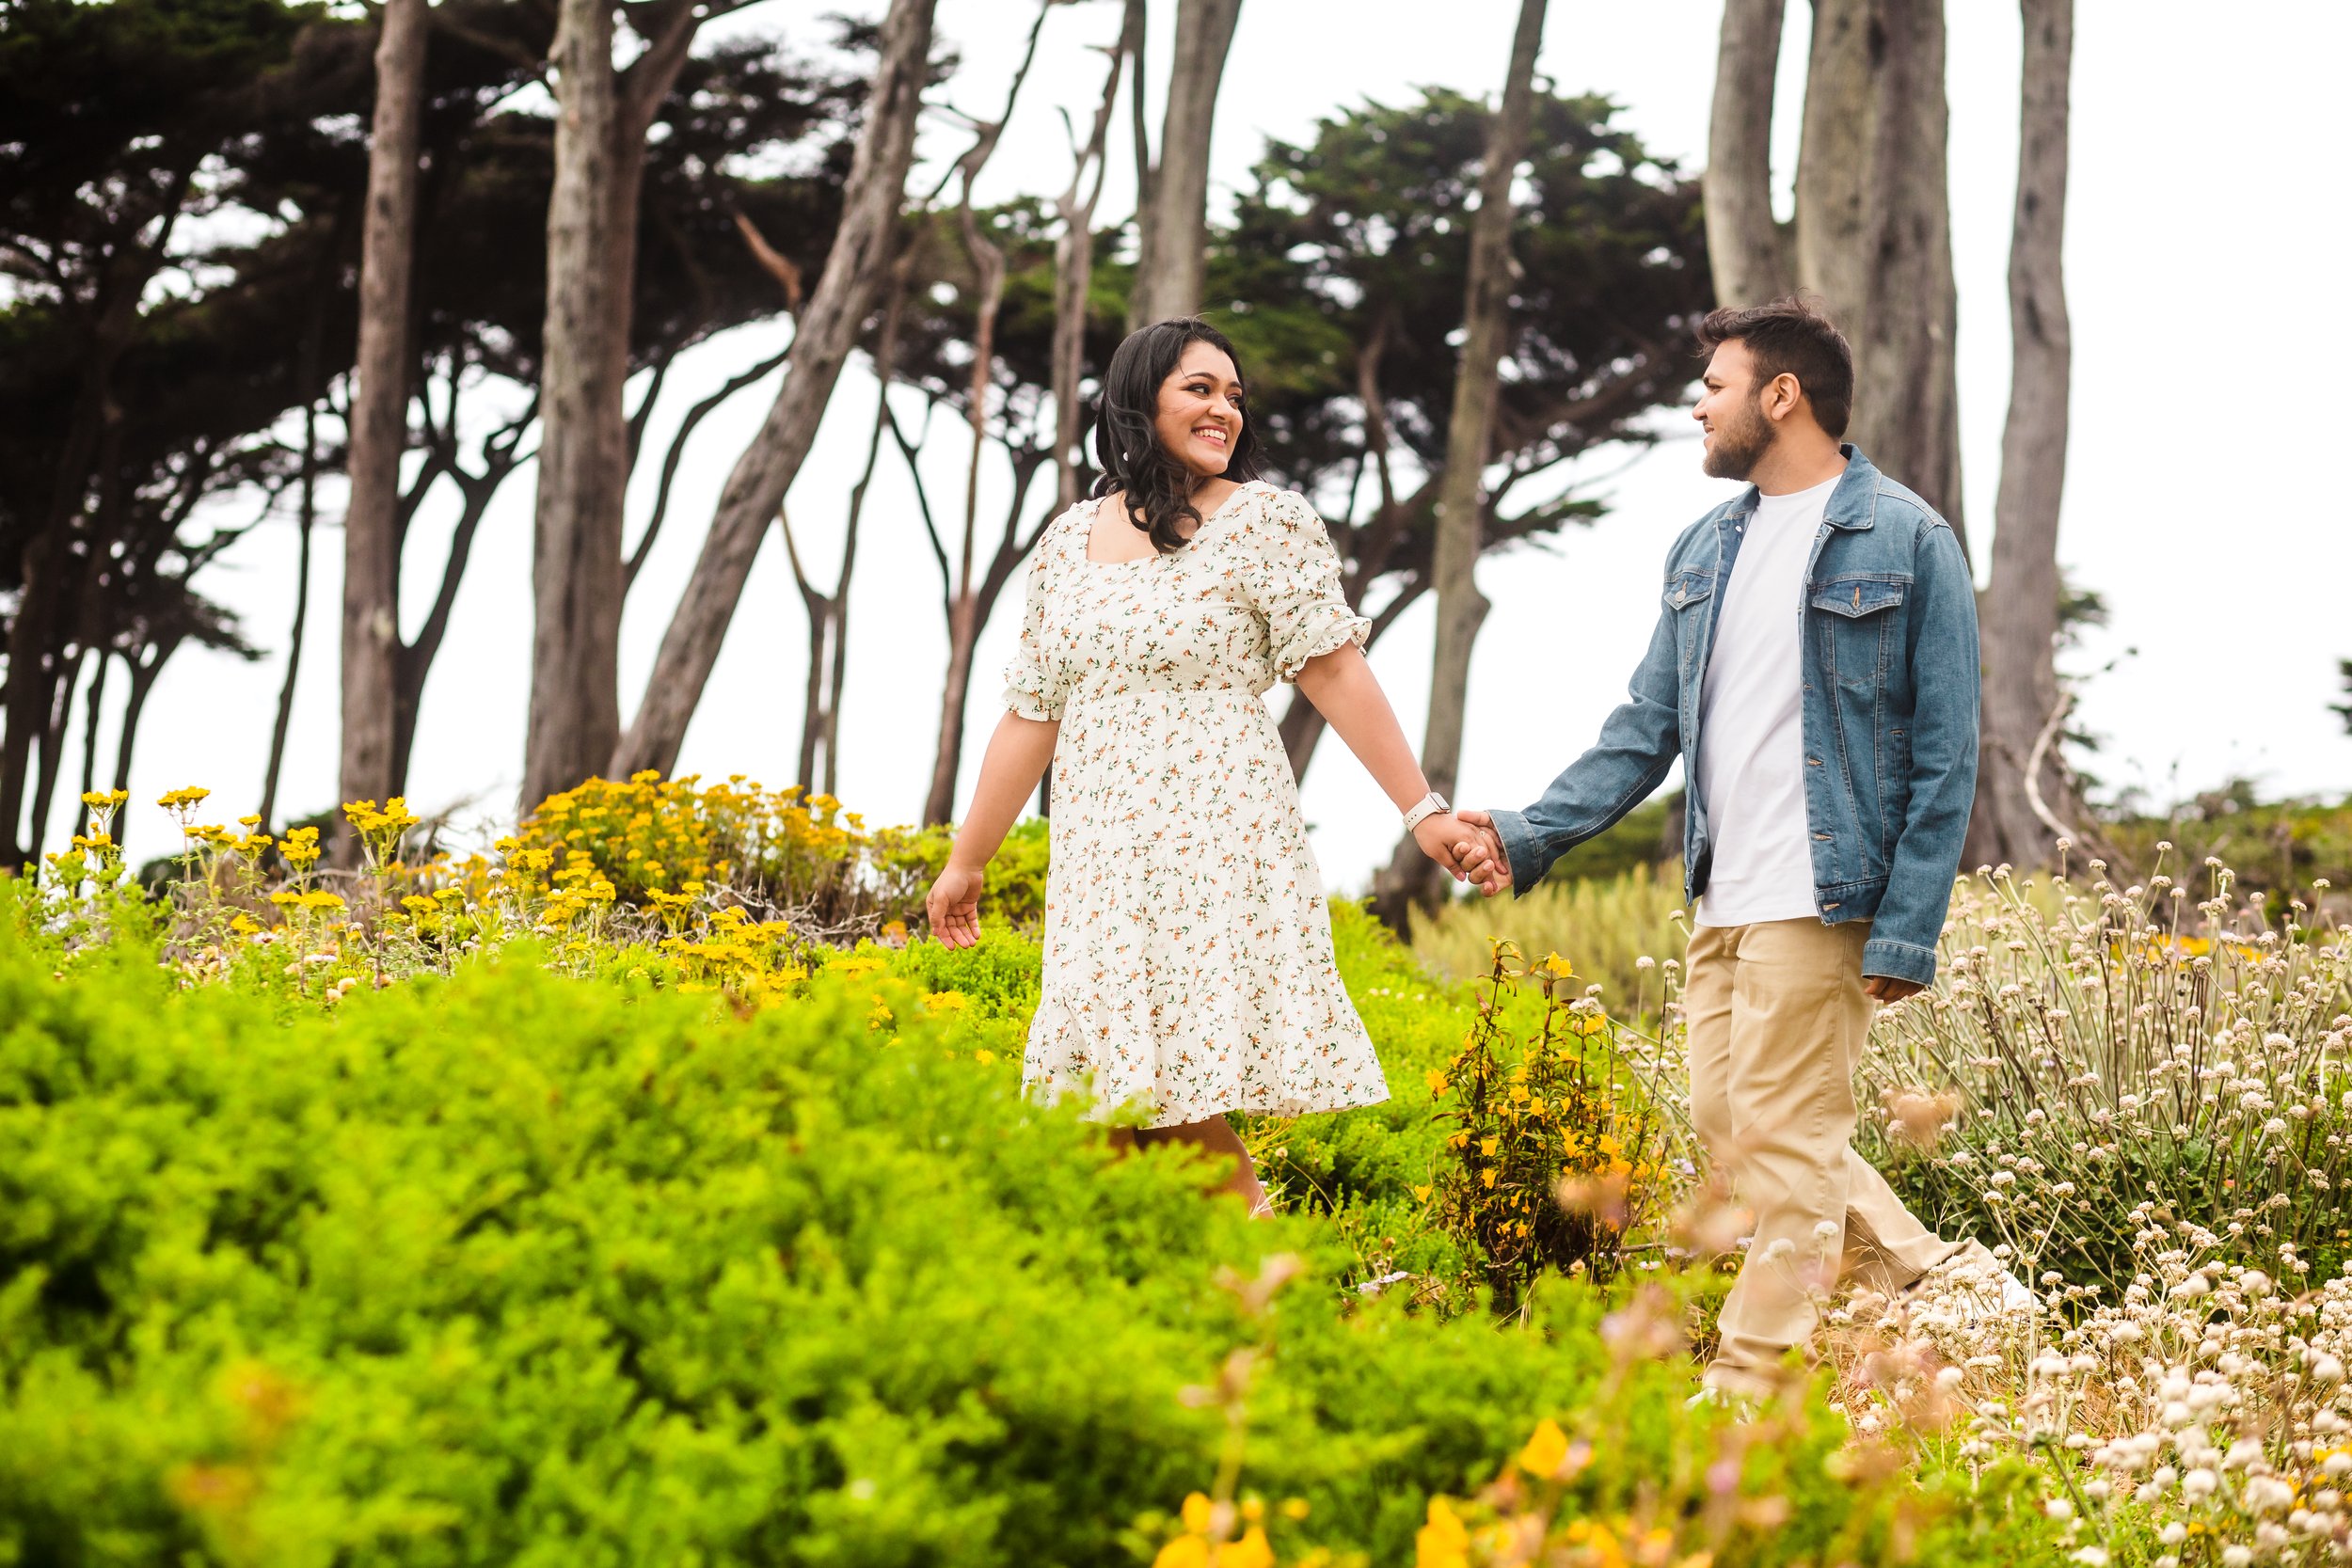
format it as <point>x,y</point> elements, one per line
<point>1731,413</point>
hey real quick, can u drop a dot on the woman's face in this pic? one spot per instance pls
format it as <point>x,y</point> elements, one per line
<point>1200,417</point>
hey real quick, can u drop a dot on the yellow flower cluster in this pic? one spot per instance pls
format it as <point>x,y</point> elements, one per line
<point>1532,1515</point>
<point>1203,1541</point>
<point>1556,1152</point>
<point>380,831</point>
<point>651,838</point>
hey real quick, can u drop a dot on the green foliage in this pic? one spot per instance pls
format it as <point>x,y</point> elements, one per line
<point>2277,848</point>
<point>510,1267</point>
<point>1606,928</point>
<point>1361,1165</point>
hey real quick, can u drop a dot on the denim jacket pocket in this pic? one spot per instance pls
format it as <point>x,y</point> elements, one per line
<point>1859,624</point>
<point>1690,593</point>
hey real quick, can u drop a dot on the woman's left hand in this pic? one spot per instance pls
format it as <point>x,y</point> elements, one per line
<point>955,906</point>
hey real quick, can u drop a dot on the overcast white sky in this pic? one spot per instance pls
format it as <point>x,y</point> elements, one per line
<point>2204,244</point>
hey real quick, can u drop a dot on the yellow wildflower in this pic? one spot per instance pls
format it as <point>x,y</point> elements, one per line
<point>1545,1449</point>
<point>1444,1541</point>
<point>1251,1551</point>
<point>1186,1551</point>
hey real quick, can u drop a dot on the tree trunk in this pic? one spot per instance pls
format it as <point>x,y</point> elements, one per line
<point>380,421</point>
<point>583,441</point>
<point>1833,159</point>
<point>969,605</point>
<point>829,613</point>
<point>827,330</point>
<point>91,714</point>
<point>1751,254</point>
<point>939,801</point>
<point>1411,877</point>
<point>49,572</point>
<point>305,520</point>
<point>53,743</point>
<point>1172,262</point>
<point>2021,606</point>
<point>1906,388</point>
<point>587,441</point>
<point>1073,272</point>
<point>143,676</point>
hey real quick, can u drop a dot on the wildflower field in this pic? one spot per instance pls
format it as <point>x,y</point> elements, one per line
<point>646,1189</point>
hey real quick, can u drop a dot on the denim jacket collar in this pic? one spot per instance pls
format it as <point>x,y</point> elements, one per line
<point>1851,506</point>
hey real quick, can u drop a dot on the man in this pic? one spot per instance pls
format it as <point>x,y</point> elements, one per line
<point>1822,699</point>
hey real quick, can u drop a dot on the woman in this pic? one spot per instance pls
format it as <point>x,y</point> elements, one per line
<point>1187,945</point>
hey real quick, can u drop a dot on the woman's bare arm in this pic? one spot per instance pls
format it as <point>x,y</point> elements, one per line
<point>1017,756</point>
<point>1343,687</point>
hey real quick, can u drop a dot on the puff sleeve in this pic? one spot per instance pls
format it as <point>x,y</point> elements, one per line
<point>1293,576</point>
<point>1034,683</point>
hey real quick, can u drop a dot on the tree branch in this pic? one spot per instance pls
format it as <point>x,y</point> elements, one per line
<point>909,451</point>
<point>773,261</point>
<point>695,417</point>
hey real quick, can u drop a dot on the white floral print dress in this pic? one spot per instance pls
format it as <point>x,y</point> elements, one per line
<point>1189,957</point>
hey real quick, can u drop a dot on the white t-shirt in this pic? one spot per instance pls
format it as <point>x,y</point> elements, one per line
<point>1750,723</point>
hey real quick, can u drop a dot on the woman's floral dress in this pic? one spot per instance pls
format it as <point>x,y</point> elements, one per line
<point>1187,945</point>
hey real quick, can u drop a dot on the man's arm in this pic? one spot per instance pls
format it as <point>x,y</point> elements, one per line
<point>1946,672</point>
<point>1638,744</point>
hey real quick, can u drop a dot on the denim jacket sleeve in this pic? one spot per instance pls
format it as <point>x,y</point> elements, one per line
<point>1945,671</point>
<point>1638,743</point>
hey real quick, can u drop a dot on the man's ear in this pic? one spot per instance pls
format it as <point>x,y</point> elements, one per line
<point>1782,396</point>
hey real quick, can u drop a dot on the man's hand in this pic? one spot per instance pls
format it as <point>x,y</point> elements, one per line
<point>1886,987</point>
<point>1481,853</point>
<point>955,906</point>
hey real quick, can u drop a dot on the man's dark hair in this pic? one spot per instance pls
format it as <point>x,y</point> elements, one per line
<point>1791,337</point>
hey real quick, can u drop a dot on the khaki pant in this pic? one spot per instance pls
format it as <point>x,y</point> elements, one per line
<point>1777,1017</point>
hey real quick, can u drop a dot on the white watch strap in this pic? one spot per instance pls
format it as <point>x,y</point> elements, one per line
<point>1427,807</point>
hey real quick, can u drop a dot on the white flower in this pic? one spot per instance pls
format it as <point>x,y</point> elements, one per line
<point>2199,1483</point>
<point>2173,1533</point>
<point>2269,1495</point>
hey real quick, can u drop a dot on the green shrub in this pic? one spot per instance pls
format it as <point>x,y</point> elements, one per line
<point>510,1267</point>
<point>1604,927</point>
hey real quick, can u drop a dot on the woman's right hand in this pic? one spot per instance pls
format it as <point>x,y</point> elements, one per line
<point>955,906</point>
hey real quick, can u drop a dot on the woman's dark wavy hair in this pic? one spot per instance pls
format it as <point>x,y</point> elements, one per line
<point>1127,445</point>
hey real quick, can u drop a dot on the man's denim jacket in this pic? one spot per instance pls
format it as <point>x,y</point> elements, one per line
<point>1890,674</point>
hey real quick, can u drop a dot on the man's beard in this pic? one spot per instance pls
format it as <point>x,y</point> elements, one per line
<point>1738,448</point>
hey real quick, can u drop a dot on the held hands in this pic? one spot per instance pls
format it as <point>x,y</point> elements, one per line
<point>955,906</point>
<point>1465,844</point>
<point>1483,857</point>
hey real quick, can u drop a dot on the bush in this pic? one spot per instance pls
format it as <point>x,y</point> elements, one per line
<point>1559,1151</point>
<point>510,1267</point>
